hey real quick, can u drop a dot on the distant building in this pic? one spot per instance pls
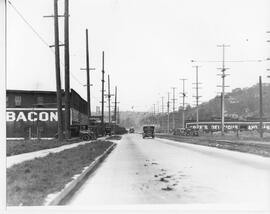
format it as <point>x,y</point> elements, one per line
<point>33,114</point>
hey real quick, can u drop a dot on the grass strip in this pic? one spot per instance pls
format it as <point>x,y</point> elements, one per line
<point>29,183</point>
<point>16,147</point>
<point>257,149</point>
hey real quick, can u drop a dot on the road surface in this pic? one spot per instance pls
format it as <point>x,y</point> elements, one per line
<point>158,171</point>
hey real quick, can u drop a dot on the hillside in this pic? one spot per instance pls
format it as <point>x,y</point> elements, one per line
<point>242,104</point>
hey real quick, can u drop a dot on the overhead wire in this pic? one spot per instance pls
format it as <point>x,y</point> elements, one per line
<point>40,37</point>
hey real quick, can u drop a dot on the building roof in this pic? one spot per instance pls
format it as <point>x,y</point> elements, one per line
<point>31,91</point>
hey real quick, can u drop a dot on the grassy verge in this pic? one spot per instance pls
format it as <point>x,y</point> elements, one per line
<point>30,182</point>
<point>224,143</point>
<point>15,147</point>
<point>114,137</point>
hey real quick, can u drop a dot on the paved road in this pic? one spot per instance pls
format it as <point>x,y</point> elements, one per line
<point>150,171</point>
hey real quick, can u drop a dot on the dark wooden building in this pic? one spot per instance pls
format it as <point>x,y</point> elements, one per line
<point>33,114</point>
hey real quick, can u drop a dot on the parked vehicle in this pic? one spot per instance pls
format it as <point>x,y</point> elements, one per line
<point>131,130</point>
<point>148,131</point>
<point>108,130</point>
<point>186,132</point>
<point>83,132</point>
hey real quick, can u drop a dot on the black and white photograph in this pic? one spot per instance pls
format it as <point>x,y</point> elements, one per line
<point>139,106</point>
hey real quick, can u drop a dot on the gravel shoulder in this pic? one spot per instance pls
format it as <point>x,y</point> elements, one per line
<point>261,148</point>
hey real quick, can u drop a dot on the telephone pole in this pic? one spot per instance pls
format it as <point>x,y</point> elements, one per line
<point>115,108</point>
<point>183,103</point>
<point>162,110</point>
<point>168,111</point>
<point>118,118</point>
<point>197,97</point>
<point>261,107</point>
<point>115,104</point>
<point>102,95</point>
<point>162,105</point>
<point>67,71</point>
<point>109,95</point>
<point>57,71</point>
<point>223,75</point>
<point>173,99</point>
<point>88,79</point>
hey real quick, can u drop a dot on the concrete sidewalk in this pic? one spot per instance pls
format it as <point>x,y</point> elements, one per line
<point>16,159</point>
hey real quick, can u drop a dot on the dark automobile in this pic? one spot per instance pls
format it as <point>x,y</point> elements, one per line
<point>186,132</point>
<point>131,130</point>
<point>81,131</point>
<point>108,131</point>
<point>148,131</point>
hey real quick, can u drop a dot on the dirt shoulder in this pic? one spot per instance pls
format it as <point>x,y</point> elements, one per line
<point>30,182</point>
<point>249,146</point>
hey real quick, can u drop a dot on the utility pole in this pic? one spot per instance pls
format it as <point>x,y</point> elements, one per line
<point>118,118</point>
<point>162,110</point>
<point>102,95</point>
<point>197,95</point>
<point>162,105</point>
<point>109,99</point>
<point>88,79</point>
<point>173,99</point>
<point>57,71</point>
<point>223,75</point>
<point>115,108</point>
<point>109,95</point>
<point>261,107</point>
<point>67,71</point>
<point>168,111</point>
<point>115,104</point>
<point>183,103</point>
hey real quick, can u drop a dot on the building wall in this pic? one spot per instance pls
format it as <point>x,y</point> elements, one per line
<point>34,114</point>
<point>31,122</point>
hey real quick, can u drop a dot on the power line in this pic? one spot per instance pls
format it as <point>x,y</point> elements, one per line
<point>223,75</point>
<point>173,99</point>
<point>39,36</point>
<point>197,97</point>
<point>255,60</point>
<point>28,24</point>
<point>183,96</point>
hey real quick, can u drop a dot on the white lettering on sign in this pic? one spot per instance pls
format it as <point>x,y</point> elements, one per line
<point>21,116</point>
<point>53,116</point>
<point>11,116</point>
<point>31,116</point>
<point>43,116</point>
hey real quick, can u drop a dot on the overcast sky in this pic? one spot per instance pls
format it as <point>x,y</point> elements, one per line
<point>148,44</point>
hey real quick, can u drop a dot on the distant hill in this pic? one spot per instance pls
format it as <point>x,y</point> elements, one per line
<point>239,104</point>
<point>242,104</point>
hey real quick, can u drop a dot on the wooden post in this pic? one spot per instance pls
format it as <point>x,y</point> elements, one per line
<point>88,80</point>
<point>102,95</point>
<point>261,107</point>
<point>67,71</point>
<point>57,71</point>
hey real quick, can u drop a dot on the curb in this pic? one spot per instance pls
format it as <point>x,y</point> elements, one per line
<point>73,184</point>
